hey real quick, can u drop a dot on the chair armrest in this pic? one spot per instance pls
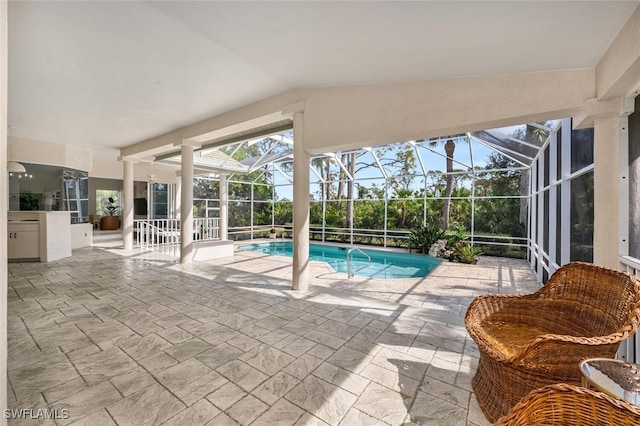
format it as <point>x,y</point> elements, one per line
<point>591,346</point>
<point>554,348</point>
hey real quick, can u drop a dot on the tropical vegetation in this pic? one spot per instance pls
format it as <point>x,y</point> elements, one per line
<point>406,205</point>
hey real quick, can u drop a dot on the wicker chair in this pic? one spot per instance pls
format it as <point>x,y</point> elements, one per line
<point>563,404</point>
<point>530,341</point>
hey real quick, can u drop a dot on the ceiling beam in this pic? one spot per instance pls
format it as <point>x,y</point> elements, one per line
<point>618,72</point>
<point>256,115</point>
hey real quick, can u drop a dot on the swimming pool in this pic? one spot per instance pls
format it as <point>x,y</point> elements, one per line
<point>384,264</point>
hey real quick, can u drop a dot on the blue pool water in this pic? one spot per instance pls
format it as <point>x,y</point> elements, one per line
<point>384,264</point>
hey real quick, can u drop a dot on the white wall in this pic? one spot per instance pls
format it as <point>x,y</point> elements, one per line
<point>81,235</point>
<point>51,154</point>
<point>106,169</point>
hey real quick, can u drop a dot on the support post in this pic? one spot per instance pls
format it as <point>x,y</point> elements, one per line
<point>610,133</point>
<point>224,203</point>
<point>177,203</point>
<point>610,122</point>
<point>127,205</point>
<point>300,206</point>
<point>186,204</point>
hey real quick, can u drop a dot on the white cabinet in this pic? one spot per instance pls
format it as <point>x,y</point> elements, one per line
<point>24,240</point>
<point>38,235</point>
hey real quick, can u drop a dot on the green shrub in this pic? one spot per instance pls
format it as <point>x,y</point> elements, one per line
<point>464,252</point>
<point>422,239</point>
<point>455,234</point>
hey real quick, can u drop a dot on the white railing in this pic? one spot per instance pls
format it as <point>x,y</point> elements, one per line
<point>630,264</point>
<point>163,235</point>
<point>206,228</point>
<point>630,348</point>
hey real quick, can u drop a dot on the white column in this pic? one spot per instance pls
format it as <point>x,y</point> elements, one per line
<point>565,220</point>
<point>177,202</point>
<point>609,134</point>
<point>127,207</point>
<point>186,205</point>
<point>609,119</point>
<point>300,207</point>
<point>3,204</point>
<point>224,203</point>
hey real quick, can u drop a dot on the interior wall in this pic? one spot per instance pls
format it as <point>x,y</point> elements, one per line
<point>106,169</point>
<point>50,154</point>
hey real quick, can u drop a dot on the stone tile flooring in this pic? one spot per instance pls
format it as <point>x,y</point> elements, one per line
<point>121,337</point>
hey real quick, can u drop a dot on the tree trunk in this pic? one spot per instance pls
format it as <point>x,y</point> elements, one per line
<point>341,178</point>
<point>327,169</point>
<point>449,148</point>
<point>352,168</point>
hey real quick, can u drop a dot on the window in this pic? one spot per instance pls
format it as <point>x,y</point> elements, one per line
<point>103,203</point>
<point>581,149</point>
<point>582,218</point>
<point>159,201</point>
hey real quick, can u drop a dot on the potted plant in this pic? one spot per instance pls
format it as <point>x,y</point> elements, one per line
<point>111,222</point>
<point>272,233</point>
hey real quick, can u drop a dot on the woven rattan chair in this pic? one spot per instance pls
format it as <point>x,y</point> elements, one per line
<point>530,341</point>
<point>563,404</point>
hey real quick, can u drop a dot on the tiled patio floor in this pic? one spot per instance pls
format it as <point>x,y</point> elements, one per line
<point>125,338</point>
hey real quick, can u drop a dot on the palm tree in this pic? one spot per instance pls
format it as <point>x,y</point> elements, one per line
<point>449,148</point>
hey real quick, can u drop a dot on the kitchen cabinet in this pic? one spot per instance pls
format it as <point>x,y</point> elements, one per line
<point>38,235</point>
<point>24,240</point>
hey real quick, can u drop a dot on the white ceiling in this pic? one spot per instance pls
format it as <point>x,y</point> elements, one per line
<point>109,74</point>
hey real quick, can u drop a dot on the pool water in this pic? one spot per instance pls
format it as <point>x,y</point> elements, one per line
<point>384,264</point>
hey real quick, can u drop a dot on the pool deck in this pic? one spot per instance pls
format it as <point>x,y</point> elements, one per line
<point>124,337</point>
